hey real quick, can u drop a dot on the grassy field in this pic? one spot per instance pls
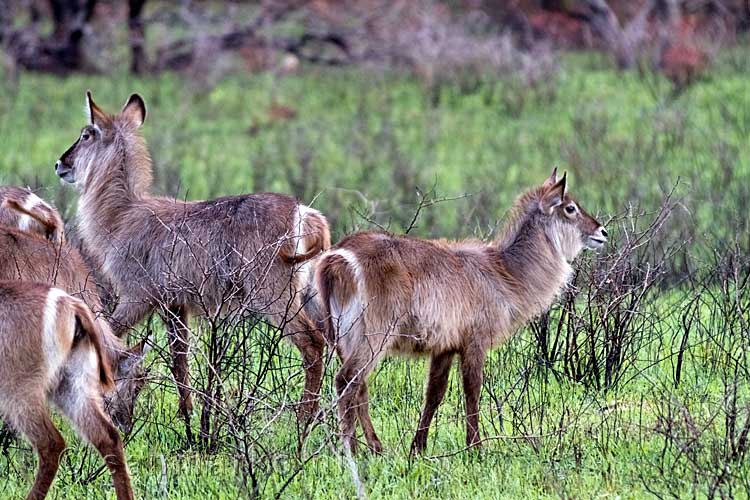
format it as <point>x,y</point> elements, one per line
<point>361,148</point>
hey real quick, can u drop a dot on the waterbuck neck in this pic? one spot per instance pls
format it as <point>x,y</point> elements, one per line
<point>120,179</point>
<point>532,267</point>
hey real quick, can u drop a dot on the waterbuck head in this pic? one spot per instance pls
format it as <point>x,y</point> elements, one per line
<point>109,149</point>
<point>567,225</point>
<point>130,377</point>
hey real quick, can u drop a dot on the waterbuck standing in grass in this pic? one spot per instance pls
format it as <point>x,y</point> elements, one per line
<point>28,256</point>
<point>387,294</point>
<point>21,208</point>
<point>51,348</point>
<point>181,258</point>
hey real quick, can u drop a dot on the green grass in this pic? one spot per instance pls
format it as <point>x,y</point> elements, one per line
<point>368,140</point>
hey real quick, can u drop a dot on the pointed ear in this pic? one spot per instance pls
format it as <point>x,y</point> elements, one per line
<point>554,195</point>
<point>552,179</point>
<point>132,357</point>
<point>95,114</point>
<point>140,349</point>
<point>134,110</point>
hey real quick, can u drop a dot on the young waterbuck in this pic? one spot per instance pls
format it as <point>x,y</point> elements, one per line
<point>28,256</point>
<point>181,258</point>
<point>21,208</point>
<point>51,348</point>
<point>387,294</point>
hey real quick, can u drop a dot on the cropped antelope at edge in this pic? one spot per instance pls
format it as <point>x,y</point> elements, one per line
<point>181,258</point>
<point>52,348</point>
<point>385,294</point>
<point>26,255</point>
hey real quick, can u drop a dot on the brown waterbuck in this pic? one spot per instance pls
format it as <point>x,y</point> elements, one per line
<point>387,294</point>
<point>21,208</point>
<point>181,258</point>
<point>28,256</point>
<point>51,348</point>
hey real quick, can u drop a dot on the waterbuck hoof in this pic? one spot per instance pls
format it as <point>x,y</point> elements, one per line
<point>418,445</point>
<point>376,448</point>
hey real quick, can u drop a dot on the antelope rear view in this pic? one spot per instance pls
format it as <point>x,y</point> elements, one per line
<point>51,348</point>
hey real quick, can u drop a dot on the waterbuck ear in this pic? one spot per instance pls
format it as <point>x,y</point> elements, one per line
<point>134,110</point>
<point>95,114</point>
<point>133,357</point>
<point>554,195</point>
<point>140,349</point>
<point>552,179</point>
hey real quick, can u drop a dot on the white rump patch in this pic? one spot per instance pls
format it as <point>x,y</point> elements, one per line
<point>55,353</point>
<point>300,240</point>
<point>298,228</point>
<point>84,381</point>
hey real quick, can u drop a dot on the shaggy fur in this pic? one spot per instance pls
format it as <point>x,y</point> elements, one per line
<point>51,348</point>
<point>388,294</point>
<point>181,258</point>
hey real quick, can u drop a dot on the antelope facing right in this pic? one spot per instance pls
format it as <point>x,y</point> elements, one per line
<point>387,294</point>
<point>51,348</point>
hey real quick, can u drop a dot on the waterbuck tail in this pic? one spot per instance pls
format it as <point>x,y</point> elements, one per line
<point>337,286</point>
<point>91,329</point>
<point>40,212</point>
<point>312,237</point>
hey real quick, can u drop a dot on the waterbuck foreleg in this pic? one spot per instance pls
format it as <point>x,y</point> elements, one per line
<point>437,383</point>
<point>176,319</point>
<point>472,366</point>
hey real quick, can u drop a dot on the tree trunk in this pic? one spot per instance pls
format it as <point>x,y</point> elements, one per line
<point>62,52</point>
<point>136,33</point>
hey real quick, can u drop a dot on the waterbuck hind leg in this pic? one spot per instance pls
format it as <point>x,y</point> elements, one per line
<point>178,333</point>
<point>350,378</point>
<point>363,408</point>
<point>48,443</point>
<point>311,344</point>
<point>437,383</point>
<point>472,367</point>
<point>94,426</point>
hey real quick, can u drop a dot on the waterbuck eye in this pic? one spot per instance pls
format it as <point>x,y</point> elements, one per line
<point>571,209</point>
<point>85,136</point>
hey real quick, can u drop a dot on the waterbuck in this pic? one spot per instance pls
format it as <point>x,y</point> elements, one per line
<point>21,208</point>
<point>387,294</point>
<point>28,256</point>
<point>51,348</point>
<point>180,258</point>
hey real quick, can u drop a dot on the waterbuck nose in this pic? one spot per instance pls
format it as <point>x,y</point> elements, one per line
<point>603,231</point>
<point>58,164</point>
